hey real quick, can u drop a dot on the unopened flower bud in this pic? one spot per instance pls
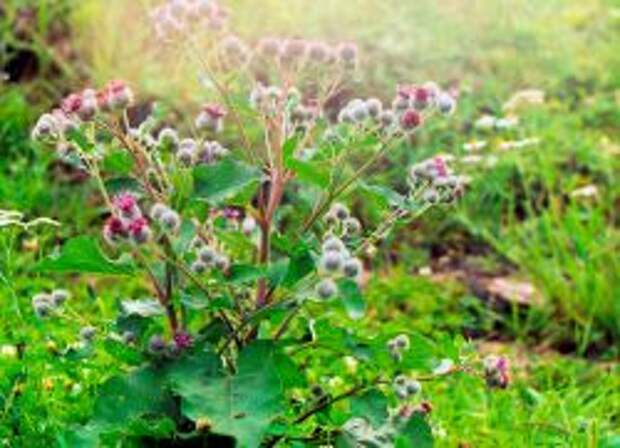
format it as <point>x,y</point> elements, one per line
<point>402,341</point>
<point>88,105</point>
<point>319,52</point>
<point>183,340</point>
<point>185,155</point>
<point>211,117</point>
<point>168,138</point>
<point>359,112</point>
<point>207,255</point>
<point>347,54</point>
<point>248,225</point>
<point>387,118</point>
<point>352,226</point>
<point>115,230</point>
<point>374,107</point>
<point>59,296</point>
<point>222,263</point>
<point>340,211</point>
<point>332,261</point>
<point>199,267</point>
<point>293,50</point>
<point>129,337</point>
<point>42,305</point>
<point>333,244</point>
<point>410,120</point>
<point>353,268</point>
<point>140,231</point>
<point>431,196</point>
<point>157,345</point>
<point>170,220</point>
<point>46,128</point>
<point>87,334</point>
<point>413,387</point>
<point>446,104</point>
<point>327,289</point>
<point>157,211</point>
<point>270,47</point>
<point>119,95</point>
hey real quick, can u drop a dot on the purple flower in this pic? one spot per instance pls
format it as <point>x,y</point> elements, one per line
<point>183,340</point>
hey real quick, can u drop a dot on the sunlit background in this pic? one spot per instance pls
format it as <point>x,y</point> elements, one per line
<point>523,43</point>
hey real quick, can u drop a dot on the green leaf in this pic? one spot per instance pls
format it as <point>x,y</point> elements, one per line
<point>310,173</point>
<point>142,308</point>
<point>216,183</point>
<point>383,196</point>
<point>123,352</point>
<point>123,399</point>
<point>352,299</point>
<point>373,406</point>
<point>245,273</point>
<point>118,162</point>
<point>83,255</point>
<point>123,183</point>
<point>300,265</point>
<point>415,434</point>
<point>288,149</point>
<point>241,405</point>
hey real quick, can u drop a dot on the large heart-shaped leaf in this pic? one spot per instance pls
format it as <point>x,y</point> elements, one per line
<point>373,406</point>
<point>83,255</point>
<point>123,399</point>
<point>241,405</point>
<point>415,434</point>
<point>216,183</point>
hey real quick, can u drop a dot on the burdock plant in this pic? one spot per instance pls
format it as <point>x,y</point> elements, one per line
<point>237,219</point>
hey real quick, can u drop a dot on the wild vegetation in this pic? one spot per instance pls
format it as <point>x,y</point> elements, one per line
<point>224,225</point>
